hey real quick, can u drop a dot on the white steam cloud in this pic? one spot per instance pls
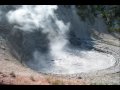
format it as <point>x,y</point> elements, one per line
<point>0,15</point>
<point>30,18</point>
<point>33,17</point>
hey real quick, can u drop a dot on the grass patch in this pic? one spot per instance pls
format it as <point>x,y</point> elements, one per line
<point>55,82</point>
<point>114,30</point>
<point>98,84</point>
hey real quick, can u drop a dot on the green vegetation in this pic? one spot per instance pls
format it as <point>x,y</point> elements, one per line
<point>114,29</point>
<point>98,83</point>
<point>110,14</point>
<point>55,81</point>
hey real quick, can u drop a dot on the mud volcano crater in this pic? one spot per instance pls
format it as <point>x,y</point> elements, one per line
<point>34,50</point>
<point>54,42</point>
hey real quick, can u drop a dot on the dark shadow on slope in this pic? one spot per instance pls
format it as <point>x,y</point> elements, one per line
<point>80,43</point>
<point>23,44</point>
<point>78,37</point>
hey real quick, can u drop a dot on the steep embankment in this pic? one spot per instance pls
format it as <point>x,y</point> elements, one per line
<point>12,72</point>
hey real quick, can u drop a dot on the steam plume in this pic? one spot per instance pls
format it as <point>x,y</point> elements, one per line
<point>43,18</point>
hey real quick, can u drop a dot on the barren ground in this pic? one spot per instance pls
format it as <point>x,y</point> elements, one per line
<point>13,72</point>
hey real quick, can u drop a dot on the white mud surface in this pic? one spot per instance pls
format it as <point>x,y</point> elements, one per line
<point>84,61</point>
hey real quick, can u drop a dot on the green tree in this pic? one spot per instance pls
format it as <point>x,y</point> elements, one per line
<point>110,14</point>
